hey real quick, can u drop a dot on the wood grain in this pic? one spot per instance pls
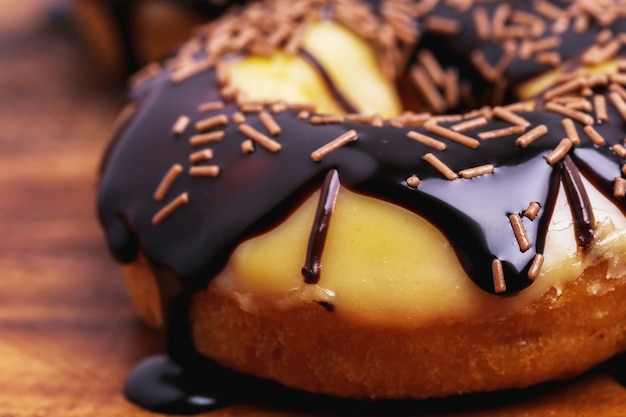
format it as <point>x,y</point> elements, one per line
<point>68,336</point>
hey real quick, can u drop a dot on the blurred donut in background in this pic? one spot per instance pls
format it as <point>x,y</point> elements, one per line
<point>123,35</point>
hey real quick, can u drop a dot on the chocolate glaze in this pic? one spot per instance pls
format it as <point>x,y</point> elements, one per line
<point>579,203</point>
<point>337,94</point>
<point>255,192</point>
<point>313,263</point>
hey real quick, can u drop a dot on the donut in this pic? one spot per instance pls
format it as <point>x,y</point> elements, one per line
<point>123,36</point>
<point>320,218</point>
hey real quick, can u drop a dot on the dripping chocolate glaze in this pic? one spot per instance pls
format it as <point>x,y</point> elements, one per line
<point>328,196</point>
<point>254,192</point>
<point>338,95</point>
<point>579,203</point>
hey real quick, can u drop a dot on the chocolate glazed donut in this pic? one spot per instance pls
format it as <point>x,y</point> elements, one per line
<point>227,169</point>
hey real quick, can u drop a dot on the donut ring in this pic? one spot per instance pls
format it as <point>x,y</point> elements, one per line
<point>232,169</point>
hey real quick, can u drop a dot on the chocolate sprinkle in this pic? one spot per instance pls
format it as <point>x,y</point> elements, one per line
<point>328,197</point>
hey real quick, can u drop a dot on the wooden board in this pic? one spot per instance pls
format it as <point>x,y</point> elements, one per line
<point>68,336</point>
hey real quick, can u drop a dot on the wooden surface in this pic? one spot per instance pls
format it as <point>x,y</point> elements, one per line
<point>67,334</point>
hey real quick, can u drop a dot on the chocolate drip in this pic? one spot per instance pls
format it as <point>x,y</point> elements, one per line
<point>343,101</point>
<point>579,203</point>
<point>160,385</point>
<point>543,222</point>
<point>317,240</point>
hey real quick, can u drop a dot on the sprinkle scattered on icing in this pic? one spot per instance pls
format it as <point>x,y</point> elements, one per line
<point>341,140</point>
<point>170,208</point>
<point>440,166</point>
<point>180,125</point>
<point>211,122</point>
<point>167,181</point>
<point>203,139</point>
<point>499,283</point>
<point>532,210</point>
<point>259,138</point>
<point>200,156</point>
<point>520,232</point>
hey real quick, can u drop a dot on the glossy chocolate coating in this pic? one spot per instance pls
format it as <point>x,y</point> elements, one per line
<point>254,192</point>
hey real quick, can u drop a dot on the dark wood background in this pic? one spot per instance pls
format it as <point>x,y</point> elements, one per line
<point>68,336</point>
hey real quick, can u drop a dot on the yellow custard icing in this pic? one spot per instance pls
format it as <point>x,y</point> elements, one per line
<point>293,79</point>
<point>541,83</point>
<point>384,264</point>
